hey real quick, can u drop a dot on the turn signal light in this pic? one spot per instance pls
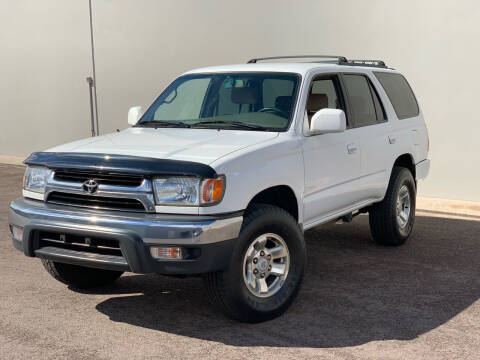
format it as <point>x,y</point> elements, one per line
<point>212,190</point>
<point>17,232</point>
<point>167,253</point>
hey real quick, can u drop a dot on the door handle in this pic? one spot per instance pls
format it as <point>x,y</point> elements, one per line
<point>392,139</point>
<point>352,148</point>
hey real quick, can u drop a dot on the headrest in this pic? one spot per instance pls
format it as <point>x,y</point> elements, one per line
<point>244,95</point>
<point>317,102</point>
<point>284,103</point>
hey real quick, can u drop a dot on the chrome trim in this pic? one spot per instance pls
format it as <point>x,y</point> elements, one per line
<point>142,193</point>
<point>151,228</point>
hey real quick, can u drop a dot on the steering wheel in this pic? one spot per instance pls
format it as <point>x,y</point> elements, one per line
<point>273,111</point>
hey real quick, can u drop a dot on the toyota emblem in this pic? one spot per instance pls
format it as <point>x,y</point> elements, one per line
<point>90,186</point>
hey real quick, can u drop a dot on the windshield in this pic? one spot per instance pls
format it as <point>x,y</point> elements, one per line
<point>250,101</point>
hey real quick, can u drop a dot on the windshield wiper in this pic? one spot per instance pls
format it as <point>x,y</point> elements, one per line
<point>231,123</point>
<point>170,123</point>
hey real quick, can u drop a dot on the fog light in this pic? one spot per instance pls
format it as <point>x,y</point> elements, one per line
<point>17,232</point>
<point>168,253</point>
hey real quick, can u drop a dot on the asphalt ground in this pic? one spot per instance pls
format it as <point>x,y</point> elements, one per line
<point>358,301</point>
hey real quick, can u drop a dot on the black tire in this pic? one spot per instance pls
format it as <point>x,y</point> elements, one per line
<point>227,288</point>
<point>383,215</point>
<point>80,277</point>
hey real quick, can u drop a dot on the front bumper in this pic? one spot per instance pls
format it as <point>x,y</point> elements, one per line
<point>211,237</point>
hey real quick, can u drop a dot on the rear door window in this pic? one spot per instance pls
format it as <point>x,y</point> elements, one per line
<point>400,94</point>
<point>360,99</point>
<point>381,115</point>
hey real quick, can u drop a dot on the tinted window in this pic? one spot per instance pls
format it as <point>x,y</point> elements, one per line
<point>360,100</point>
<point>381,116</point>
<point>400,94</point>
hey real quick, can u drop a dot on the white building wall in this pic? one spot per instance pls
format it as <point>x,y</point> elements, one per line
<point>141,45</point>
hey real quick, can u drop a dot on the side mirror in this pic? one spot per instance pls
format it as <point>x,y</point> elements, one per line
<point>134,114</point>
<point>328,121</point>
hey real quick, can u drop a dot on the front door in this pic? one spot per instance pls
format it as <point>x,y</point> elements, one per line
<point>332,161</point>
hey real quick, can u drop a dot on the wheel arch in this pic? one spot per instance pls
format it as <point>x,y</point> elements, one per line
<point>405,160</point>
<point>282,196</point>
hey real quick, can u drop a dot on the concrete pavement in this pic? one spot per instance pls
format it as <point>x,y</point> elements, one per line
<point>358,301</point>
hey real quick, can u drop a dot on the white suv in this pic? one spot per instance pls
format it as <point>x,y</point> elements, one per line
<point>222,175</point>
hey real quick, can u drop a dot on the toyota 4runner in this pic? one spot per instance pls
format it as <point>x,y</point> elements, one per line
<point>222,175</point>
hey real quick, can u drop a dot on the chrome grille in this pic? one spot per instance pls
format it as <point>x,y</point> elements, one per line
<point>124,192</point>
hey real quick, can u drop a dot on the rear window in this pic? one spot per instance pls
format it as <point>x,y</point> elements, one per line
<point>400,94</point>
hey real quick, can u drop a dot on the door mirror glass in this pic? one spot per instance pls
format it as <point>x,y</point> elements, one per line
<point>327,121</point>
<point>134,114</point>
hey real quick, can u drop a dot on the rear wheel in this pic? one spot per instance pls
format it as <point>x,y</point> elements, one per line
<point>265,270</point>
<point>80,277</point>
<point>391,221</point>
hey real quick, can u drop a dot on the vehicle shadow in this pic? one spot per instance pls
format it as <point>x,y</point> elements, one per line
<point>354,291</point>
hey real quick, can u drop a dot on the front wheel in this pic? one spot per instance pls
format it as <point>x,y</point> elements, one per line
<point>266,268</point>
<point>391,221</point>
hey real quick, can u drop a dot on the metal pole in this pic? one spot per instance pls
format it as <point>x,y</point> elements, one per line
<point>94,80</point>
<point>92,116</point>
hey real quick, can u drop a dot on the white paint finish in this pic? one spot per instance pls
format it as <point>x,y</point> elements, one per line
<point>422,169</point>
<point>301,68</point>
<point>329,173</point>
<point>377,157</point>
<point>134,114</point>
<point>275,162</point>
<point>185,210</point>
<point>33,195</point>
<point>328,121</point>
<point>199,145</point>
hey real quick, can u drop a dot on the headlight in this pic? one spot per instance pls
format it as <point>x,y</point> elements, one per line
<point>188,191</point>
<point>35,178</point>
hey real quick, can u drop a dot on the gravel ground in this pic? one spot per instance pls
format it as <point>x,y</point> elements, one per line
<point>358,301</point>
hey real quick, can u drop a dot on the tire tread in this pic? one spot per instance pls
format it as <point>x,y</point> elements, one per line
<point>381,214</point>
<point>216,284</point>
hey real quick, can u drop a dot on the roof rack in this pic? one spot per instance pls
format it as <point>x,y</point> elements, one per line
<point>375,63</point>
<point>341,60</point>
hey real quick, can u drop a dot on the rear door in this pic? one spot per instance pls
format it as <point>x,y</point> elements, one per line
<point>373,132</point>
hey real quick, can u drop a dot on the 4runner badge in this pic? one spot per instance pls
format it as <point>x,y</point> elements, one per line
<point>91,186</point>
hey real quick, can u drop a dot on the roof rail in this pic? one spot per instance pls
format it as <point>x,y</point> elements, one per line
<point>339,58</point>
<point>375,63</point>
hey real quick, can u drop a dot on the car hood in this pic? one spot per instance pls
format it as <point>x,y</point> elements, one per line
<point>198,145</point>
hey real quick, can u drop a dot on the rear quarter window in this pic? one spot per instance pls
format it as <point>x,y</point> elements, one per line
<point>400,94</point>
